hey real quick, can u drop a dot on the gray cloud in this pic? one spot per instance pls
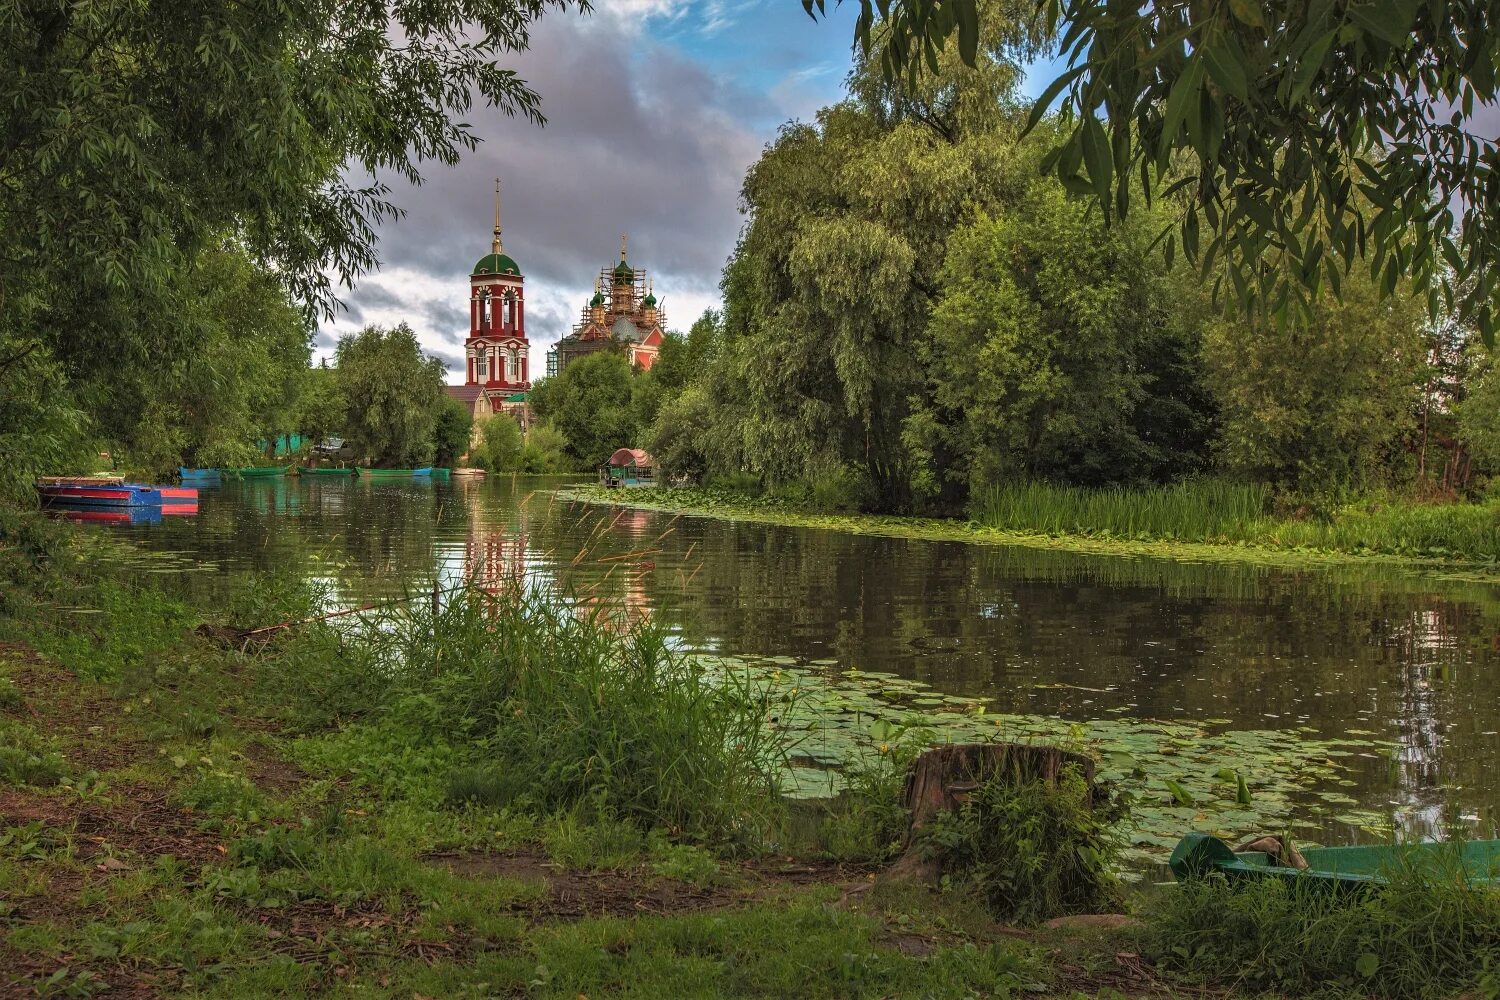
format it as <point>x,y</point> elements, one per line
<point>639,139</point>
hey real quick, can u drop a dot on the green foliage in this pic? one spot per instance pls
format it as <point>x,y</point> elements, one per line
<point>29,758</point>
<point>451,435</point>
<point>1033,849</point>
<point>500,444</point>
<point>1427,933</point>
<point>1323,406</point>
<point>510,697</point>
<point>545,450</point>
<point>1050,353</point>
<point>589,402</point>
<point>1312,139</point>
<point>393,395</point>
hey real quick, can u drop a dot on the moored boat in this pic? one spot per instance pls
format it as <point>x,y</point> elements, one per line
<point>468,472</point>
<point>255,472</point>
<point>1338,868</point>
<point>386,473</point>
<point>306,471</point>
<point>178,494</point>
<point>121,494</point>
<point>197,475</point>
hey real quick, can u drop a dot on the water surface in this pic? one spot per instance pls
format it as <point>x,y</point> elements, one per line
<point>1371,652</point>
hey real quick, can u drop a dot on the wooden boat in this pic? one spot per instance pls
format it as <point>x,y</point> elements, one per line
<point>255,472</point>
<point>1338,868</point>
<point>120,494</point>
<point>346,473</point>
<point>468,472</point>
<point>386,473</point>
<point>436,473</point>
<point>197,475</point>
<point>178,494</point>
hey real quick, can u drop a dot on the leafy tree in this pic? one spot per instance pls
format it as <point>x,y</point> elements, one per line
<point>500,444</point>
<point>454,430</point>
<point>1309,139</point>
<point>1478,416</point>
<point>1327,407</point>
<point>545,450</point>
<point>321,411</point>
<point>589,402</point>
<point>679,441</point>
<point>134,136</point>
<point>1048,354</point>
<point>393,395</point>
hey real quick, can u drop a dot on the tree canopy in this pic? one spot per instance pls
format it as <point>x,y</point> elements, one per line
<point>1304,139</point>
<point>393,395</point>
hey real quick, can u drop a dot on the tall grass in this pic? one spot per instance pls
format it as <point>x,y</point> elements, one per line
<point>1204,510</point>
<point>520,699</point>
<point>1428,933</point>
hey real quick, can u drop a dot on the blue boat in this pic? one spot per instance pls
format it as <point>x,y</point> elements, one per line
<point>198,475</point>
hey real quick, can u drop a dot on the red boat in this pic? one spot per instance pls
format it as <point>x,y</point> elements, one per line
<point>107,492</point>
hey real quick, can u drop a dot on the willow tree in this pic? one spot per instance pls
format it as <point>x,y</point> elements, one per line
<point>830,287</point>
<point>1308,139</point>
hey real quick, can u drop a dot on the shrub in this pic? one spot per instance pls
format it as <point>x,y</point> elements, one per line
<point>1034,850</point>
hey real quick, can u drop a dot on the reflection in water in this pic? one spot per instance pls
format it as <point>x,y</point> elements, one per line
<point>1363,651</point>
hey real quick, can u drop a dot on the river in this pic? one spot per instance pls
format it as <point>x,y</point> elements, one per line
<point>1401,668</point>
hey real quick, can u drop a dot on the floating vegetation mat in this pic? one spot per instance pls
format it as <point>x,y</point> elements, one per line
<point>1178,776</point>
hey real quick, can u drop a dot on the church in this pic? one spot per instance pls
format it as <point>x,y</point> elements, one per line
<point>496,353</point>
<point>627,318</point>
<point>497,363</point>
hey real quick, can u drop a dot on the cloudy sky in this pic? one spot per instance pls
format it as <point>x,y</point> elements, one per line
<point>654,110</point>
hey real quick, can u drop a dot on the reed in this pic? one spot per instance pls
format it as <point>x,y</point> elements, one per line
<point>1206,510</point>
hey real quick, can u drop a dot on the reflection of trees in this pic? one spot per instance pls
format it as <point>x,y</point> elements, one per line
<point>1363,648</point>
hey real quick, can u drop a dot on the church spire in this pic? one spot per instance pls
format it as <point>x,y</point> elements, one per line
<point>495,245</point>
<point>622,248</point>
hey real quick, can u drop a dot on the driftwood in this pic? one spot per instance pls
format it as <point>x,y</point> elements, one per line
<point>943,778</point>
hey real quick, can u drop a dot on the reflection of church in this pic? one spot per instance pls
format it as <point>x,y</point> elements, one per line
<point>496,353</point>
<point>627,318</point>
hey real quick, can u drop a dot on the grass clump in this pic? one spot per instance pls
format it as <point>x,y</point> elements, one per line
<point>1426,933</point>
<point>515,699</point>
<point>1033,849</point>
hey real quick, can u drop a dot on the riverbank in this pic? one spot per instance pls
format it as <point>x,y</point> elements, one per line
<point>1289,552</point>
<point>488,797</point>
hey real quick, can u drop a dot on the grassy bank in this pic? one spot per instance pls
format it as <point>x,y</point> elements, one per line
<point>1165,525</point>
<point>1220,513</point>
<point>491,797</point>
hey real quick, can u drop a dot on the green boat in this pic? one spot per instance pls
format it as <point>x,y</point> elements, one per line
<point>386,473</point>
<point>1338,868</point>
<point>257,472</point>
<point>304,471</point>
<point>437,473</point>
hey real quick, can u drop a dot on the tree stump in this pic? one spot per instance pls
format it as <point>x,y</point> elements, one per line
<point>941,780</point>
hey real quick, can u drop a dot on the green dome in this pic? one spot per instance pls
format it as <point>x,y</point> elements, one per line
<point>649,301</point>
<point>496,263</point>
<point>624,270</point>
<point>597,300</point>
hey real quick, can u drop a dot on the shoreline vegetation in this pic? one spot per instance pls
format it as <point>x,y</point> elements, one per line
<point>1188,522</point>
<point>504,794</point>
